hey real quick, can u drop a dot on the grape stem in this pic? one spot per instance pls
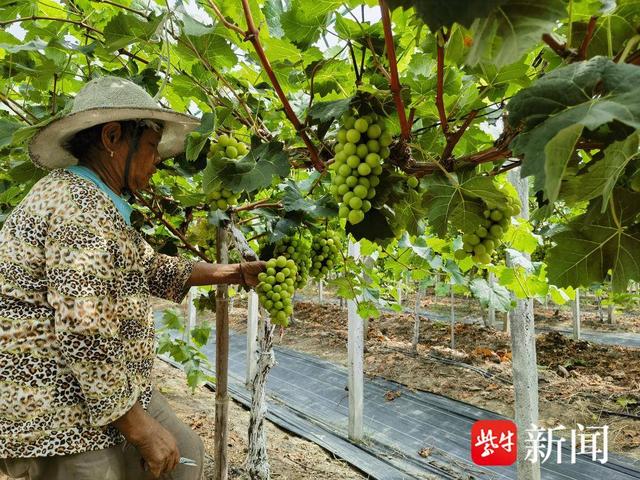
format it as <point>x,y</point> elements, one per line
<point>259,204</point>
<point>396,88</point>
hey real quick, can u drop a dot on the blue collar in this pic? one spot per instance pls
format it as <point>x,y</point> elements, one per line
<point>119,202</point>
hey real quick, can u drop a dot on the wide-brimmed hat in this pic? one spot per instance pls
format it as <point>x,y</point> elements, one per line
<point>108,99</point>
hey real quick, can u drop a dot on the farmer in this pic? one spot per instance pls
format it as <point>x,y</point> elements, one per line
<point>76,325</point>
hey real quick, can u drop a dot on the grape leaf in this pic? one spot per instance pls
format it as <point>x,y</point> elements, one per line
<point>443,13</point>
<point>206,128</point>
<point>491,295</point>
<point>328,111</point>
<point>272,10</point>
<point>294,200</point>
<point>602,175</point>
<point>595,243</point>
<point>7,129</point>
<point>558,152</point>
<point>301,28</point>
<point>520,237</point>
<point>123,30</point>
<point>409,211</point>
<point>512,29</point>
<point>560,296</point>
<point>375,227</point>
<point>591,94</point>
<point>256,170</point>
<point>458,204</point>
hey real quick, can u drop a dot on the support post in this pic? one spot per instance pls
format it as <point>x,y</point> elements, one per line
<point>222,364</point>
<point>257,457</point>
<point>453,319</point>
<point>576,316</point>
<point>611,314</point>
<point>524,362</point>
<point>491,316</point>
<point>320,292</point>
<point>191,316</point>
<point>355,361</point>
<point>252,336</point>
<point>416,325</point>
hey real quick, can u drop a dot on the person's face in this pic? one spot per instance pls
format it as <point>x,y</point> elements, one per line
<point>145,160</point>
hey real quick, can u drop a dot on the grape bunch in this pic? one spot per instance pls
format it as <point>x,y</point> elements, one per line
<point>298,250</point>
<point>325,253</point>
<point>226,146</point>
<point>363,143</point>
<point>481,243</point>
<point>276,287</point>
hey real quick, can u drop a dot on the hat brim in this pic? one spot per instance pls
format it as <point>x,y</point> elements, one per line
<point>47,151</point>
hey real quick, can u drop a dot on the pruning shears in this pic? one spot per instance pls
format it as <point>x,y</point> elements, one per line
<point>188,462</point>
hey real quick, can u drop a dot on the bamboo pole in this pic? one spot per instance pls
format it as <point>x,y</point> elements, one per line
<point>222,364</point>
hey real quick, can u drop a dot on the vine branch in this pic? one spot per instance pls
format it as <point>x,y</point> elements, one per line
<point>444,123</point>
<point>252,35</point>
<point>57,19</point>
<point>396,88</point>
<point>591,28</point>
<point>159,215</point>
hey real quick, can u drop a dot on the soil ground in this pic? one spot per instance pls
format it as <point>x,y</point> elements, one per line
<point>579,382</point>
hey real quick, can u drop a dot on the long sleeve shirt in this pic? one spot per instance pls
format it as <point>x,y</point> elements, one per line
<point>76,326</point>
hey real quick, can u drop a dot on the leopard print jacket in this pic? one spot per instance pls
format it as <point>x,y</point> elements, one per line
<point>76,326</point>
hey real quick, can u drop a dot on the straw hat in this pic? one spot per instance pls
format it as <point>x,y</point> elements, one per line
<point>108,99</point>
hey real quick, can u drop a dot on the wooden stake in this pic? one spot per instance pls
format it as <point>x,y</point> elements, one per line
<point>222,364</point>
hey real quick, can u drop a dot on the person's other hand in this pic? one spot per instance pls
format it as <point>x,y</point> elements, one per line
<point>158,449</point>
<point>249,272</point>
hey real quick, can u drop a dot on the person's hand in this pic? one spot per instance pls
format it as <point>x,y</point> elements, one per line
<point>158,449</point>
<point>154,443</point>
<point>249,272</point>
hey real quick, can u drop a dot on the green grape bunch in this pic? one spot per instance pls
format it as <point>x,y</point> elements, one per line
<point>325,254</point>
<point>226,146</point>
<point>481,243</point>
<point>297,249</point>
<point>276,289</point>
<point>362,145</point>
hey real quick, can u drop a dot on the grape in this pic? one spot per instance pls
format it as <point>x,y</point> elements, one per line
<point>225,146</point>
<point>298,249</point>
<point>278,304</point>
<point>353,136</point>
<point>324,251</point>
<point>362,143</point>
<point>483,241</point>
<point>413,182</point>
